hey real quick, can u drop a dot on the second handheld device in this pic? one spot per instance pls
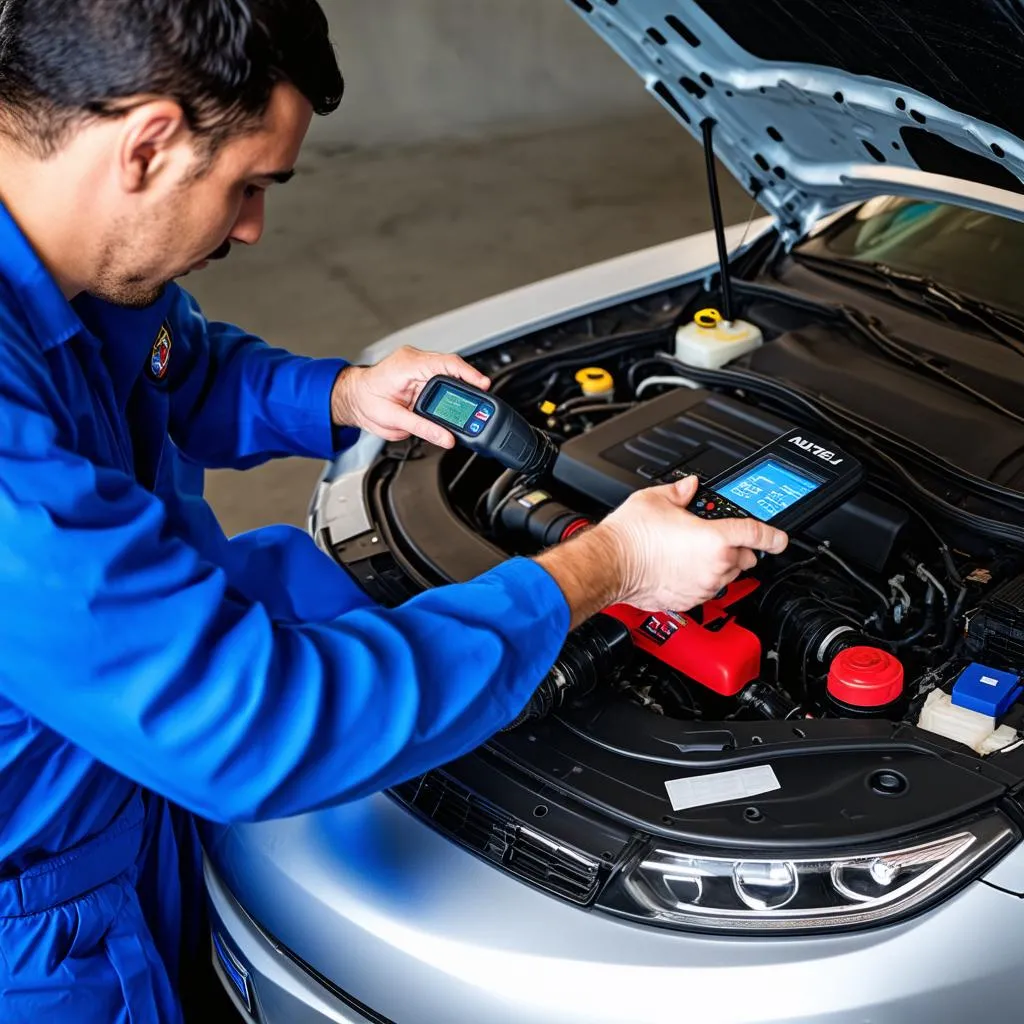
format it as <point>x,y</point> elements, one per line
<point>790,482</point>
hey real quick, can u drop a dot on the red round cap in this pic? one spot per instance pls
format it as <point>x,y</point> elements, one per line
<point>865,677</point>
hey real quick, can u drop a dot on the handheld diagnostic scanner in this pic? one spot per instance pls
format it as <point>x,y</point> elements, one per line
<point>790,483</point>
<point>485,424</point>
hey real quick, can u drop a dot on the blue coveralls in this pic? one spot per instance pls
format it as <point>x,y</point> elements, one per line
<point>148,663</point>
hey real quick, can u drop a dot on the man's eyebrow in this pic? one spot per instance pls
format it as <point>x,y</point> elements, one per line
<point>281,177</point>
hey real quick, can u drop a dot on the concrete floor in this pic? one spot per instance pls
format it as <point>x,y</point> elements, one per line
<point>365,242</point>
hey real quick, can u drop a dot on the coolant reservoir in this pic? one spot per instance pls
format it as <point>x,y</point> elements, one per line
<point>710,342</point>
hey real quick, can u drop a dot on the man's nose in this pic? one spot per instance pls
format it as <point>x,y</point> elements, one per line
<point>248,228</point>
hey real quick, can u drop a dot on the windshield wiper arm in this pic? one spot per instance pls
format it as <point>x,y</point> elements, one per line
<point>923,290</point>
<point>950,299</point>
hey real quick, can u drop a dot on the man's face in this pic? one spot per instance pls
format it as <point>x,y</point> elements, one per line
<point>182,219</point>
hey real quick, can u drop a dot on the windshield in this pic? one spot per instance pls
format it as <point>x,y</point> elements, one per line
<point>977,254</point>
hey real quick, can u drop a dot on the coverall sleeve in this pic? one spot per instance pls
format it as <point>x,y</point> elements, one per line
<point>120,637</point>
<point>236,402</point>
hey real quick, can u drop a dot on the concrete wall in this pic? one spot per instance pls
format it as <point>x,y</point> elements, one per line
<point>424,69</point>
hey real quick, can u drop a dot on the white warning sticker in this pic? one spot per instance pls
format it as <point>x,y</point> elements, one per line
<point>700,790</point>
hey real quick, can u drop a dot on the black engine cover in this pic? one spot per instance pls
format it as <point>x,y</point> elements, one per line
<point>698,431</point>
<point>705,433</point>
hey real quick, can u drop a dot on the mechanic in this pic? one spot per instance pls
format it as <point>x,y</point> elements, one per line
<point>152,668</point>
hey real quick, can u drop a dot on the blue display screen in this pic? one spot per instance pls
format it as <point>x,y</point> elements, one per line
<point>767,489</point>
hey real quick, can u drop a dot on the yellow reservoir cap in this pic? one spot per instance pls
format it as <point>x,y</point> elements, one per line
<point>708,318</point>
<point>595,381</point>
<point>547,408</point>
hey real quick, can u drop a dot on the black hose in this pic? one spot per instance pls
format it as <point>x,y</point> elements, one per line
<point>643,364</point>
<point>594,653</point>
<point>546,390</point>
<point>824,549</point>
<point>958,607</point>
<point>457,479</point>
<point>500,489</point>
<point>572,403</point>
<point>951,569</point>
<point>926,625</point>
<point>616,344</point>
<point>947,558</point>
<point>594,407</point>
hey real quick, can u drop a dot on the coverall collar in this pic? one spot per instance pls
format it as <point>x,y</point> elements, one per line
<point>53,320</point>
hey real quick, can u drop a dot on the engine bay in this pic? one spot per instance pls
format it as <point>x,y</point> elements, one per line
<point>904,606</point>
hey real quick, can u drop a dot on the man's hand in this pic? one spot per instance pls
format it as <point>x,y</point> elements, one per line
<point>379,398</point>
<point>652,553</point>
<point>671,559</point>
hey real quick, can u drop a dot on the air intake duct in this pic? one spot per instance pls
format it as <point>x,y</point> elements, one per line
<point>595,653</point>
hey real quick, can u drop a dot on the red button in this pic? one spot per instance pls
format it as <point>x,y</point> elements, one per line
<point>710,506</point>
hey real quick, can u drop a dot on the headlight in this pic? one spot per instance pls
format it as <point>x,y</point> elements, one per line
<point>764,894</point>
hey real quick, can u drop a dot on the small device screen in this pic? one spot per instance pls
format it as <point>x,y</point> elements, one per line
<point>485,424</point>
<point>453,408</point>
<point>767,489</point>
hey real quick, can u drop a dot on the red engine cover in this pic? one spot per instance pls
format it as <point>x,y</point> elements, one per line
<point>711,649</point>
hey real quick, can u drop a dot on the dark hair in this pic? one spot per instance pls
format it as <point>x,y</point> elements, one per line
<point>63,61</point>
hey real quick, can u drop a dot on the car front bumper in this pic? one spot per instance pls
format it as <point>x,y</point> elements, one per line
<point>402,925</point>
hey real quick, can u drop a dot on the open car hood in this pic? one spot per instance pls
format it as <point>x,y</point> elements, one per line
<point>819,103</point>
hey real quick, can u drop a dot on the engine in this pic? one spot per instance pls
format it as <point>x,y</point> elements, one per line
<point>904,605</point>
<point>871,613</point>
<point>795,621</point>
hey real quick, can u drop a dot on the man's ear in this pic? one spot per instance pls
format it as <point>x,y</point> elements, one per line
<point>154,139</point>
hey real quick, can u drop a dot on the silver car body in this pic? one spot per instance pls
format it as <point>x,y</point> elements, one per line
<point>364,913</point>
<point>422,932</point>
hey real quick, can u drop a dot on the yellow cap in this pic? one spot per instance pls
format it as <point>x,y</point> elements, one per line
<point>547,408</point>
<point>595,381</point>
<point>708,318</point>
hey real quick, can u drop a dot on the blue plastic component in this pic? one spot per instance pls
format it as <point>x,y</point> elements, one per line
<point>986,690</point>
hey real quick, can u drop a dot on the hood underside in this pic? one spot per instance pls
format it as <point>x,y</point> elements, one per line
<point>820,103</point>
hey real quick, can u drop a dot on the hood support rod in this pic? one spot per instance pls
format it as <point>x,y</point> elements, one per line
<point>707,126</point>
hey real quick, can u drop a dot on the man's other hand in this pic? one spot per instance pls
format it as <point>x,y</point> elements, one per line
<point>379,398</point>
